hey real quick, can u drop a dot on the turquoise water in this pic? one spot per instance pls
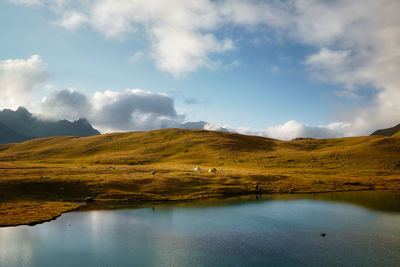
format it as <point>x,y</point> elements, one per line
<point>278,231</point>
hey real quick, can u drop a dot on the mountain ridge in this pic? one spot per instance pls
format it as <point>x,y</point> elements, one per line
<point>21,125</point>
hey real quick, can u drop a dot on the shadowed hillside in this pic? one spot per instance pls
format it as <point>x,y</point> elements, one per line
<point>388,131</point>
<point>117,168</point>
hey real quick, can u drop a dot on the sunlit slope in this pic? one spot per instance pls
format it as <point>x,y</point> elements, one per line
<point>137,147</point>
<point>199,147</point>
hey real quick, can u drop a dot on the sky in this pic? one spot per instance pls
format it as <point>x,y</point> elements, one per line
<point>280,69</point>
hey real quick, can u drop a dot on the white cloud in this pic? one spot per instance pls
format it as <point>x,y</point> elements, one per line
<point>180,51</point>
<point>18,79</point>
<point>64,104</point>
<point>181,33</point>
<point>218,127</point>
<point>327,58</point>
<point>137,56</point>
<point>254,13</point>
<point>72,20</point>
<point>293,129</point>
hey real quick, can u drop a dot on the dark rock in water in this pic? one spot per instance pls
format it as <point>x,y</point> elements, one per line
<point>89,199</point>
<point>323,234</point>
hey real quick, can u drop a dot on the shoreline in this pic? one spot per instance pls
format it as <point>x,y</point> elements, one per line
<point>33,223</point>
<point>115,205</point>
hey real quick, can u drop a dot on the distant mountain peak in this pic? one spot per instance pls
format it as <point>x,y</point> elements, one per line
<point>82,121</point>
<point>22,109</point>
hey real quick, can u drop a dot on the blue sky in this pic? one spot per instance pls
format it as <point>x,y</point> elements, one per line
<point>275,69</point>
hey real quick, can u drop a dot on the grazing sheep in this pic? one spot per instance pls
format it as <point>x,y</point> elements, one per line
<point>197,169</point>
<point>213,170</point>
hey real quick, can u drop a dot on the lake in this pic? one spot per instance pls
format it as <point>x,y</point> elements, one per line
<point>362,229</point>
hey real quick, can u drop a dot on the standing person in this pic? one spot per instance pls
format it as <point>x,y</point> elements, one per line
<point>257,188</point>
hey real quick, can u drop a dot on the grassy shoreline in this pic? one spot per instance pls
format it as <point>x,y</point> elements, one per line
<point>20,212</point>
<point>32,212</point>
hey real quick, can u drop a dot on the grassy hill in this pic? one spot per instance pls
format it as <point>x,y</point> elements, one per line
<point>116,168</point>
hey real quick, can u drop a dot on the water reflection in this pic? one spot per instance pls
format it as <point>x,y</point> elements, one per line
<point>380,200</point>
<point>19,251</point>
<point>274,230</point>
<point>388,201</point>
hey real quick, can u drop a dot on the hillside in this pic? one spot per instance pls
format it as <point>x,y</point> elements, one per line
<point>388,131</point>
<point>9,136</point>
<point>205,147</point>
<point>21,125</point>
<point>116,169</point>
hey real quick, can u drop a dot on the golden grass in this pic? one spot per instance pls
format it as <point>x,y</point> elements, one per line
<point>116,168</point>
<point>32,212</point>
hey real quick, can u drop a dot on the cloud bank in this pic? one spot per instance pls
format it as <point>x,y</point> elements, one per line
<point>135,109</point>
<point>293,129</point>
<point>128,110</point>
